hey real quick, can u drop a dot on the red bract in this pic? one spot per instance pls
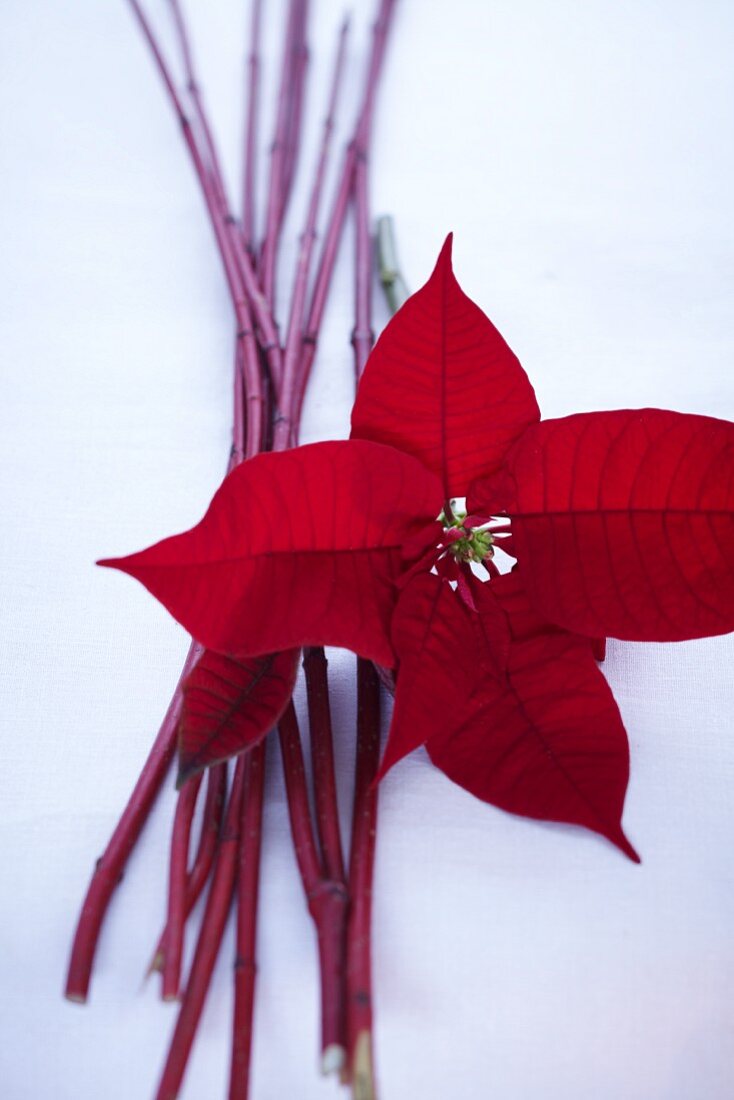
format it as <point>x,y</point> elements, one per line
<point>228,702</point>
<point>442,384</point>
<point>622,524</point>
<point>297,549</point>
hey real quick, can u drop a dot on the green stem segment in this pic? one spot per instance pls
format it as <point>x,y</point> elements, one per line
<point>393,283</point>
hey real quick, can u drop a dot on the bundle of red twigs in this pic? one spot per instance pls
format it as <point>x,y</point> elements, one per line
<point>272,365</point>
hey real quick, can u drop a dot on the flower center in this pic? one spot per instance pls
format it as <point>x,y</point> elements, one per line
<point>466,543</point>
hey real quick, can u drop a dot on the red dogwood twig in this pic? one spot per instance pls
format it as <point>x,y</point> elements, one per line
<point>259,387</point>
<point>292,383</point>
<point>211,824</point>
<point>208,943</point>
<point>249,174</point>
<point>276,185</point>
<point>248,883</point>
<point>361,866</point>
<point>111,865</point>
<point>358,146</point>
<point>327,898</point>
<point>177,883</point>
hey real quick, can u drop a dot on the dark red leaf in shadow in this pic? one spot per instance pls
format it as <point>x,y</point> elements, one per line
<point>444,648</point>
<point>433,641</point>
<point>230,704</point>
<point>299,548</point>
<point>543,739</point>
<point>442,384</point>
<point>623,522</point>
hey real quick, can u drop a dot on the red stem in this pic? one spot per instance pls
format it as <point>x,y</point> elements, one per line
<point>246,443</point>
<point>241,280</point>
<point>273,221</point>
<point>326,895</point>
<point>361,868</point>
<point>358,145</point>
<point>211,824</point>
<point>360,1063</point>
<point>307,857</point>
<point>245,967</point>
<point>324,274</point>
<point>111,865</point>
<point>295,113</point>
<point>207,947</point>
<point>285,426</point>
<point>322,763</point>
<point>380,31</point>
<point>327,898</point>
<point>362,336</point>
<point>194,89</point>
<point>177,884</point>
<point>250,143</point>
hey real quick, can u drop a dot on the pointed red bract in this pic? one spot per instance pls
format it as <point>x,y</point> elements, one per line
<point>300,548</point>
<point>433,640</point>
<point>543,739</point>
<point>623,522</point>
<point>230,704</point>
<point>445,645</point>
<point>442,384</point>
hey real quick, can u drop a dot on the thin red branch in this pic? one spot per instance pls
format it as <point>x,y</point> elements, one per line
<point>327,899</point>
<point>360,1058</point>
<point>111,865</point>
<point>194,89</point>
<point>239,407</point>
<point>285,427</point>
<point>322,763</point>
<point>307,856</point>
<point>241,279</point>
<point>380,32</point>
<point>249,167</point>
<point>245,967</point>
<point>211,823</point>
<point>211,826</point>
<point>362,336</point>
<point>324,274</point>
<point>207,947</point>
<point>177,887</point>
<point>357,146</point>
<point>361,868</point>
<point>295,112</point>
<point>274,221</point>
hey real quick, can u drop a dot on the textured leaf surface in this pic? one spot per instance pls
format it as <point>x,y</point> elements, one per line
<point>443,650</point>
<point>442,384</point>
<point>299,548</point>
<point>230,704</point>
<point>433,642</point>
<point>623,522</point>
<point>543,739</point>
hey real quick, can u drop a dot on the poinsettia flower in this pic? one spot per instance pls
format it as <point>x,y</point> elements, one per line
<point>621,524</point>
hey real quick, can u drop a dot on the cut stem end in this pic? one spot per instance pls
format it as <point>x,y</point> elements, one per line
<point>333,1059</point>
<point>363,1080</point>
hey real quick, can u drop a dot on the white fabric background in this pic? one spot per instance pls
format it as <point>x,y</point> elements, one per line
<point>582,153</point>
